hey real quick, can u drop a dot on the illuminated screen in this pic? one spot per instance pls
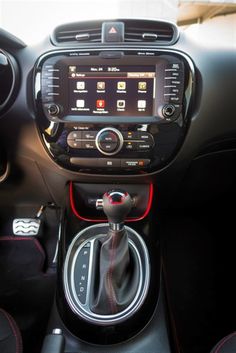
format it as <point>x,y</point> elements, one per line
<point>112,90</point>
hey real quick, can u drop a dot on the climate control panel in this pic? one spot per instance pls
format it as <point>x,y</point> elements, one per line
<point>110,141</point>
<point>110,147</point>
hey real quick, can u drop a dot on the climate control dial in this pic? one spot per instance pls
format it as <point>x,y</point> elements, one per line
<point>109,141</point>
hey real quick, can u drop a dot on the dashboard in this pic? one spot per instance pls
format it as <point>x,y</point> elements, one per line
<point>136,116</point>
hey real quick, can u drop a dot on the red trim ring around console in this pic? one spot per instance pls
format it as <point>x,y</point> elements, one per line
<point>83,218</point>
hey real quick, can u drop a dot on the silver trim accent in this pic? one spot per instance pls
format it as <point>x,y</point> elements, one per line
<point>151,36</point>
<point>54,261</point>
<point>99,204</point>
<point>26,227</point>
<point>116,226</point>
<point>82,36</point>
<point>68,273</point>
<point>117,132</point>
<point>6,173</point>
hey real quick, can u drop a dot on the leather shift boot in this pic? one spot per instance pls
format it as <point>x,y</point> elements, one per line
<point>117,274</point>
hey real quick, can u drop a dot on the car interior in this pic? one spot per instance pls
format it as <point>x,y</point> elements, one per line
<point>117,191</point>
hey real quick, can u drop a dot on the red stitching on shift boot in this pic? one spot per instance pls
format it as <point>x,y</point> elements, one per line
<point>111,296</point>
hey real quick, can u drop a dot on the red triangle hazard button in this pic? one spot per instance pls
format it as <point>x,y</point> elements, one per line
<point>113,30</point>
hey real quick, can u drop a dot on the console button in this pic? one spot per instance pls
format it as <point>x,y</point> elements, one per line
<point>109,163</point>
<point>89,135</point>
<point>109,141</point>
<point>108,136</point>
<point>130,135</point>
<point>113,32</point>
<point>174,99</point>
<point>74,135</point>
<point>168,110</point>
<point>134,163</point>
<point>130,146</point>
<point>53,109</point>
<point>88,145</point>
<point>108,146</point>
<point>74,143</point>
<point>146,136</point>
<point>144,146</point>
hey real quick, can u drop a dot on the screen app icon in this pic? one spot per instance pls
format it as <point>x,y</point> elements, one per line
<point>142,104</point>
<point>142,86</point>
<point>80,85</point>
<point>100,103</point>
<point>101,85</point>
<point>80,103</point>
<point>121,85</point>
<point>120,103</point>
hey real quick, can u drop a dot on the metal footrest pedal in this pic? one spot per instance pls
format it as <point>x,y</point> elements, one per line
<point>28,227</point>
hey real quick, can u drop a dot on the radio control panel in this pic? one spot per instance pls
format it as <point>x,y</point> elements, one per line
<point>120,115</point>
<point>82,87</point>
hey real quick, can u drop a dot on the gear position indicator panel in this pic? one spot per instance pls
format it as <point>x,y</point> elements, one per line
<point>111,90</point>
<point>81,273</point>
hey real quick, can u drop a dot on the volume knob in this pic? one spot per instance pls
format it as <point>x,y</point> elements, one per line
<point>53,109</point>
<point>109,141</point>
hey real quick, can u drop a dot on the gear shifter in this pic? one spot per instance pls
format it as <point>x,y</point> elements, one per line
<point>117,278</point>
<point>106,274</point>
<point>116,205</point>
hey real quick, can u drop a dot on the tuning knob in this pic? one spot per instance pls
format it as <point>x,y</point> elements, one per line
<point>109,141</point>
<point>53,109</point>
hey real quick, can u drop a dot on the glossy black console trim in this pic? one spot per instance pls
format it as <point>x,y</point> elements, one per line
<point>153,338</point>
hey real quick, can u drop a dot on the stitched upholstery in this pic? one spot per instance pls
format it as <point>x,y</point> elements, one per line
<point>10,338</point>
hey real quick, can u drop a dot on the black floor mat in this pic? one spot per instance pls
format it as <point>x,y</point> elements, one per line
<point>26,291</point>
<point>200,268</point>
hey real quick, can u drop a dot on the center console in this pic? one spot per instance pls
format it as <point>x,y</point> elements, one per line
<point>110,111</point>
<point>109,272</point>
<point>116,111</point>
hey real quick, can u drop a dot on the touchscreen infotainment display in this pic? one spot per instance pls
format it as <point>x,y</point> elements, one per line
<point>112,90</point>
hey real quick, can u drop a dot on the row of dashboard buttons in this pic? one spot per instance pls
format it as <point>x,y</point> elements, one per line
<point>127,135</point>
<point>50,82</point>
<point>129,146</point>
<point>133,140</point>
<point>109,163</point>
<point>173,88</point>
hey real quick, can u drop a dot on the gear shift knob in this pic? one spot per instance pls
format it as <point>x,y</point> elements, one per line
<point>116,205</point>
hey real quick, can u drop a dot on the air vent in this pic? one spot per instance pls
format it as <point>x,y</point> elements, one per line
<point>76,33</point>
<point>150,31</point>
<point>8,82</point>
<point>136,31</point>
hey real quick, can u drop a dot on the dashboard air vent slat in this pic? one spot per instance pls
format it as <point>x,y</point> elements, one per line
<point>87,35</point>
<point>150,34</point>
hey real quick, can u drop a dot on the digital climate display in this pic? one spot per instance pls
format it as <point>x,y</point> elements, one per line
<point>112,90</point>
